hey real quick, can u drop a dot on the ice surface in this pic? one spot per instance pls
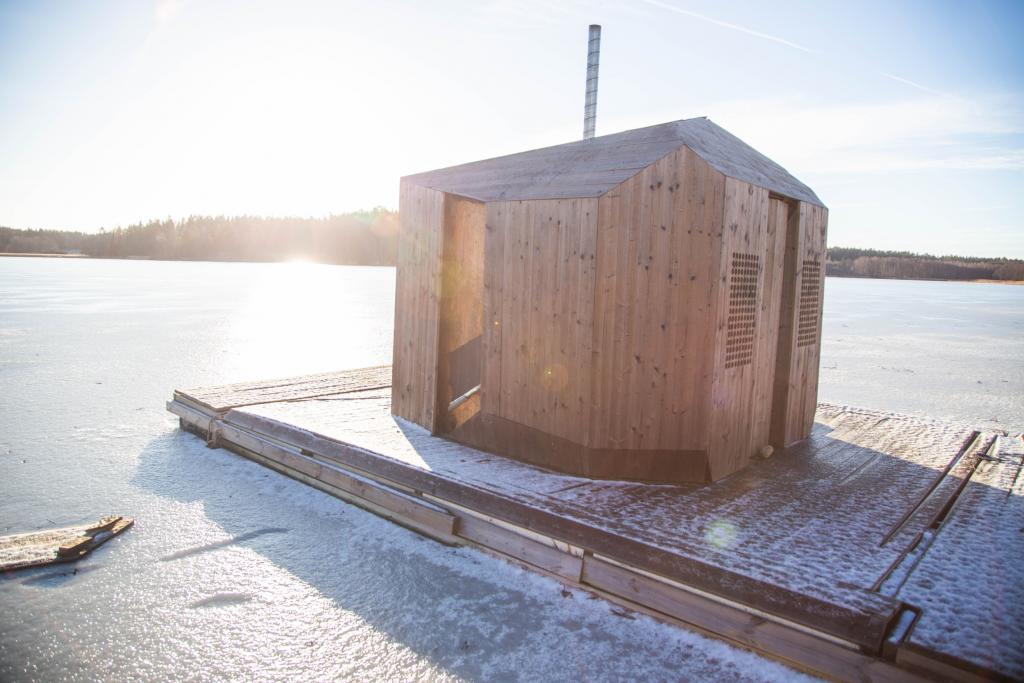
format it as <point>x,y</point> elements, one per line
<point>950,350</point>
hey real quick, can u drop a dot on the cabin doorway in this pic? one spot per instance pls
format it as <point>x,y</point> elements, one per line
<point>460,337</point>
<point>784,222</point>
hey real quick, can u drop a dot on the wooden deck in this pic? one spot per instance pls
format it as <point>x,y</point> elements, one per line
<point>885,547</point>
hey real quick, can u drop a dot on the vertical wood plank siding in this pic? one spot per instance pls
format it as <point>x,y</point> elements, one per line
<point>538,309</point>
<point>658,246</point>
<point>735,426</point>
<point>664,331</point>
<point>417,304</point>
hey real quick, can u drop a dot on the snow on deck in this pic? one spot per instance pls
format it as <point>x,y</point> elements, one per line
<point>970,582</point>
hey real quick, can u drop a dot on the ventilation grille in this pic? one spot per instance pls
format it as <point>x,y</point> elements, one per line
<point>810,303</point>
<point>739,339</point>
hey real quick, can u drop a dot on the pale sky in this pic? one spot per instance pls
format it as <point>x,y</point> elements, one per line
<point>905,117</point>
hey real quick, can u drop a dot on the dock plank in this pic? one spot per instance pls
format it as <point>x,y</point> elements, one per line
<point>220,399</point>
<point>970,581</point>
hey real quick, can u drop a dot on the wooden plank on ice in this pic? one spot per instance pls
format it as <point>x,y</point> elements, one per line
<point>58,545</point>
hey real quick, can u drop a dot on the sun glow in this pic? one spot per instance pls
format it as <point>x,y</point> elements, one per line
<point>275,321</point>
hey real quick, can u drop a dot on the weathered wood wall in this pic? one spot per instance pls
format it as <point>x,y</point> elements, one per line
<point>746,327</point>
<point>658,253</point>
<point>799,354</point>
<point>417,304</point>
<point>538,310</point>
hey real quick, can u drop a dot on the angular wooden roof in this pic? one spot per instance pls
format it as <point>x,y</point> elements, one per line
<point>589,168</point>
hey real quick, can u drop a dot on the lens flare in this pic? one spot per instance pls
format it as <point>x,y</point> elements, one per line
<point>721,534</point>
<point>554,377</point>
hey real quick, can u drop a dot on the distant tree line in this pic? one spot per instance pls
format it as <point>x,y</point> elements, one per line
<point>905,265</point>
<point>358,238</point>
<point>371,238</point>
<point>40,241</point>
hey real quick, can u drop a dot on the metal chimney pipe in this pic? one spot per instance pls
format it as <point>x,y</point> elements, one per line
<point>590,103</point>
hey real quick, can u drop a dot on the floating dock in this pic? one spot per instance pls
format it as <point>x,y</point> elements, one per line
<point>883,548</point>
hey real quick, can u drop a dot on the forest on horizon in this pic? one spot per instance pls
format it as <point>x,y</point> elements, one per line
<point>358,238</point>
<point>371,238</point>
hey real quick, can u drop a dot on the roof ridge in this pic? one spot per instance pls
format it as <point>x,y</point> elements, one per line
<point>581,141</point>
<point>589,168</point>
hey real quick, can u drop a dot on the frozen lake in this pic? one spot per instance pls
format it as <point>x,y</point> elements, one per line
<point>233,571</point>
<point>945,349</point>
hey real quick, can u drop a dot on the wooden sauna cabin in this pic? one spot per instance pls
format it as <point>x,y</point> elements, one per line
<point>642,306</point>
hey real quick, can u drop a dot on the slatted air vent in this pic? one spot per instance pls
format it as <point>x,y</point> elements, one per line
<point>810,303</point>
<point>739,339</point>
